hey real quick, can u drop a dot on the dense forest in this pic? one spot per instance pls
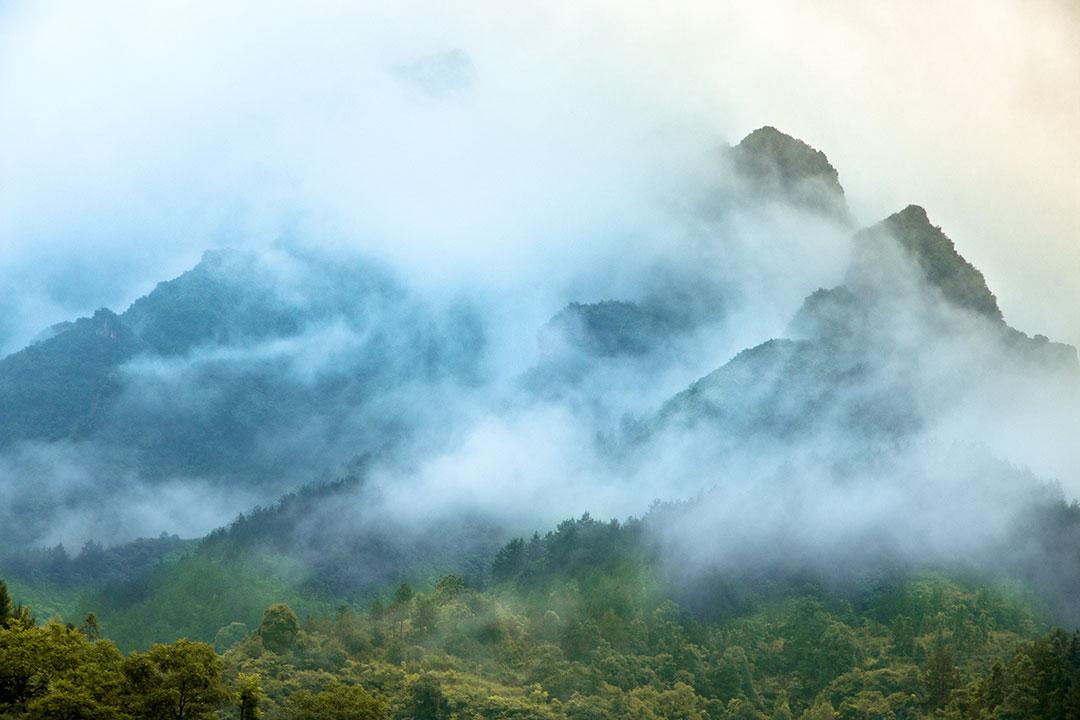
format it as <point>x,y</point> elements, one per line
<point>580,624</point>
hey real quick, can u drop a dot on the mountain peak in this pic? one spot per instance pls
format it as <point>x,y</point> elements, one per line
<point>777,164</point>
<point>935,254</point>
<point>913,214</point>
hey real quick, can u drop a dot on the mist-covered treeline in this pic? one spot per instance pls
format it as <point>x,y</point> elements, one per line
<point>578,624</point>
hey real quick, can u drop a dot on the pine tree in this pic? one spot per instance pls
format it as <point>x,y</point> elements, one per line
<point>6,606</point>
<point>781,709</point>
<point>90,627</point>
<point>941,676</point>
<point>1022,696</point>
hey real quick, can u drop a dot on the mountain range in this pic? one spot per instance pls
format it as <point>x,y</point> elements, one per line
<point>277,371</point>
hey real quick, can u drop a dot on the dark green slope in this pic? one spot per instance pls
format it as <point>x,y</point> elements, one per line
<point>218,302</point>
<point>215,371</point>
<point>63,386</point>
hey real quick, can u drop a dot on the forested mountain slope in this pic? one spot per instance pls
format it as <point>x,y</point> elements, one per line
<point>580,624</point>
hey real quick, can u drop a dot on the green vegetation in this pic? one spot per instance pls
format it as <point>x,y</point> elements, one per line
<point>577,625</point>
<point>59,388</point>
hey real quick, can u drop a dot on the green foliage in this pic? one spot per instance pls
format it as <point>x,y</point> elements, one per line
<point>1040,682</point>
<point>569,643</point>
<point>229,635</point>
<point>941,676</point>
<point>577,628</point>
<point>180,680</point>
<point>248,696</point>
<point>57,672</point>
<point>336,702</point>
<point>279,628</point>
<point>425,699</point>
<point>12,615</point>
<point>7,606</point>
<point>58,388</point>
<point>196,596</point>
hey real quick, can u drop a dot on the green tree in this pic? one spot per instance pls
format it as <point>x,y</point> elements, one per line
<point>53,671</point>
<point>1022,697</point>
<point>822,709</point>
<point>7,607</point>
<point>229,635</point>
<point>425,614</point>
<point>336,702</point>
<point>90,627</point>
<point>781,708</point>
<point>30,657</point>
<point>66,700</point>
<point>248,695</point>
<point>448,587</point>
<point>903,635</point>
<point>425,700</point>
<point>403,595</point>
<point>178,681</point>
<point>509,561</point>
<point>941,676</point>
<point>992,688</point>
<point>10,613</point>
<point>279,628</point>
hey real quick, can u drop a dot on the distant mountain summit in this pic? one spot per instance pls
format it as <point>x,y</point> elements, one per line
<point>933,253</point>
<point>776,165</point>
<point>219,301</point>
<point>218,371</point>
<point>912,329</point>
<point>252,371</point>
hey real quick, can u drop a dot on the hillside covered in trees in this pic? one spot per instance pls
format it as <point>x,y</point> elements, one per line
<point>574,624</point>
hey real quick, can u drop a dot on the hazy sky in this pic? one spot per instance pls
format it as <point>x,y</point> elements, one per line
<point>134,135</point>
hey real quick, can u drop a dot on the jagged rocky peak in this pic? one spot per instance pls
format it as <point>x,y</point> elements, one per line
<point>933,253</point>
<point>779,165</point>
